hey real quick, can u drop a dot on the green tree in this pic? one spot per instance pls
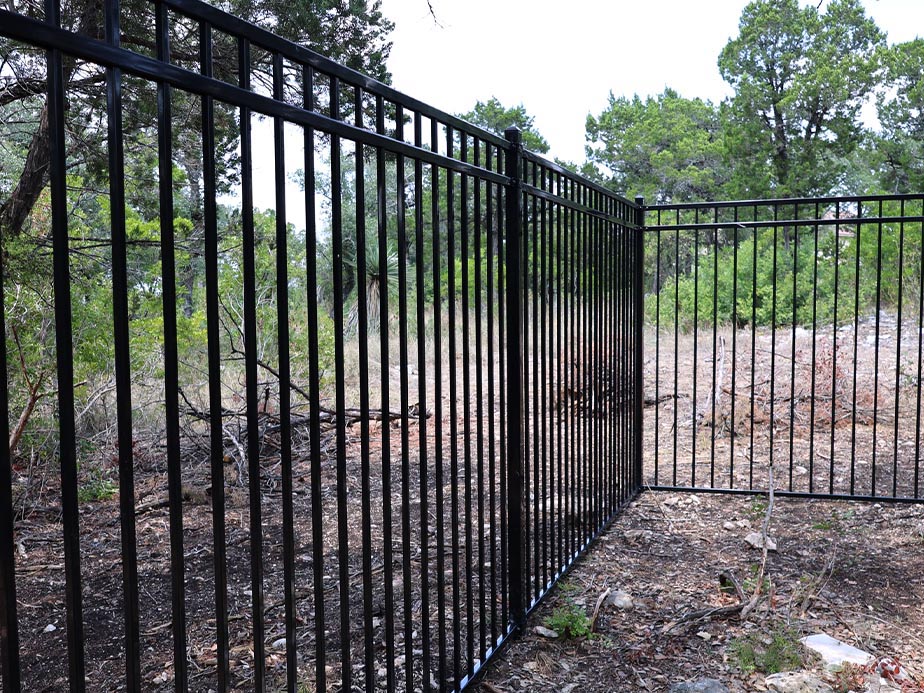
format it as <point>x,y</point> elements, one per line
<point>493,116</point>
<point>800,77</point>
<point>901,146</point>
<point>665,147</point>
<point>354,33</point>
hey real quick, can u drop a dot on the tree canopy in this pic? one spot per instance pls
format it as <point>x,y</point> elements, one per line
<point>666,147</point>
<point>493,116</point>
<point>354,33</point>
<point>800,77</point>
<point>794,126</point>
<point>901,144</point>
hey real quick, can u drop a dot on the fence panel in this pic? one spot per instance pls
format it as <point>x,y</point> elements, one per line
<point>580,356</point>
<point>343,441</point>
<point>784,338</point>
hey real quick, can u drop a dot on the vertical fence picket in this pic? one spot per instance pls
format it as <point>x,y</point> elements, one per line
<point>122,350</point>
<point>67,435</point>
<point>513,230</point>
<point>10,674</point>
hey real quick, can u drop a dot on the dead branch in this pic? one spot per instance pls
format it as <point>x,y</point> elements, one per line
<point>704,614</point>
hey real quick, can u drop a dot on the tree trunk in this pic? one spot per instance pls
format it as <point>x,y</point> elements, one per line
<point>16,209</point>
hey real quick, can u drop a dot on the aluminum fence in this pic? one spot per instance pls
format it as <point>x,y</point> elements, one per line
<point>785,338</point>
<point>353,456</point>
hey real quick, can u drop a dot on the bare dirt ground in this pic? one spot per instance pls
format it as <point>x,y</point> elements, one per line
<point>727,402</point>
<point>852,570</point>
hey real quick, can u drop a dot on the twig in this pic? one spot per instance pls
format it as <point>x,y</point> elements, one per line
<point>653,402</point>
<point>726,578</point>
<point>764,531</point>
<point>670,525</point>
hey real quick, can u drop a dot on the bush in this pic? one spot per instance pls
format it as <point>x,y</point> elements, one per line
<point>569,621</point>
<point>785,276</point>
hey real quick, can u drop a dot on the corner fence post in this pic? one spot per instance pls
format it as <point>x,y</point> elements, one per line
<point>639,310</point>
<point>515,492</point>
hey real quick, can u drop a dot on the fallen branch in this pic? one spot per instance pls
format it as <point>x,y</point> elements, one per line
<point>703,614</point>
<point>655,401</point>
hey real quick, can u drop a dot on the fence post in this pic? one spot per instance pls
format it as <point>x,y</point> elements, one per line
<point>515,492</point>
<point>639,310</point>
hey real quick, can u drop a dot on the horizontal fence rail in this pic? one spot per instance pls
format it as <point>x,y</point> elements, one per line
<point>347,442</point>
<point>784,346</point>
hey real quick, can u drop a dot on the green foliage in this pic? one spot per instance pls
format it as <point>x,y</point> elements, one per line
<point>753,583</point>
<point>666,148</point>
<point>493,116</point>
<point>757,507</point>
<point>788,275</point>
<point>97,487</point>
<point>768,652</point>
<point>569,621</point>
<point>900,149</point>
<point>800,78</point>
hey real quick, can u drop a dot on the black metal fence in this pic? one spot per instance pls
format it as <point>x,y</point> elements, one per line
<point>784,338</point>
<point>353,456</point>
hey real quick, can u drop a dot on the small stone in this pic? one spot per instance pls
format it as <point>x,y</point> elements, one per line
<point>757,541</point>
<point>160,678</point>
<point>279,644</point>
<point>671,500</point>
<point>799,470</point>
<point>796,682</point>
<point>545,632</point>
<point>620,599</point>
<point>704,635</point>
<point>699,686</point>
<point>731,525</point>
<point>50,628</point>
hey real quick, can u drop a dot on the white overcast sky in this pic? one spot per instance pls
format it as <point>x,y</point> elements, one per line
<point>561,59</point>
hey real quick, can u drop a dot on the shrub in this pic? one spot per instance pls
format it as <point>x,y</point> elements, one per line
<point>569,621</point>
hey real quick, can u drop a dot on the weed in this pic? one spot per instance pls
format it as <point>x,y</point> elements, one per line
<point>849,677</point>
<point>768,653</point>
<point>569,621</point>
<point>758,507</point>
<point>97,488</point>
